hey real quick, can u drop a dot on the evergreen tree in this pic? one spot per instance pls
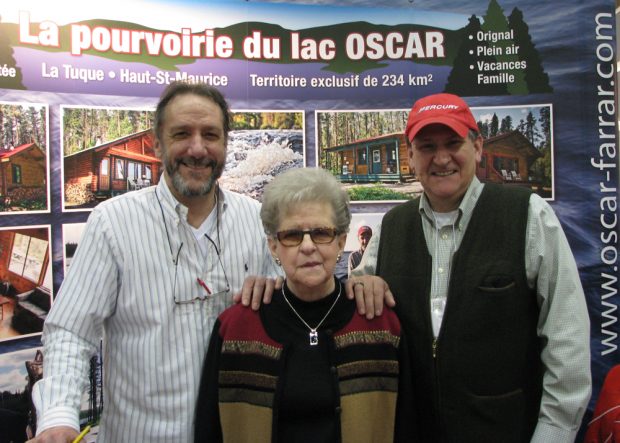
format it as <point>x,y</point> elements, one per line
<point>536,78</point>
<point>38,137</point>
<point>545,125</point>
<point>43,124</point>
<point>494,126</point>
<point>495,21</point>
<point>324,134</point>
<point>531,132</point>
<point>7,132</point>
<point>505,125</point>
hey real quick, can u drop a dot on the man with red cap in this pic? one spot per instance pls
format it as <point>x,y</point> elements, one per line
<point>488,293</point>
<point>364,234</point>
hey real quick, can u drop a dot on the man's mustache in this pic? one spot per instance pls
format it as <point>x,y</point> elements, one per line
<point>201,163</point>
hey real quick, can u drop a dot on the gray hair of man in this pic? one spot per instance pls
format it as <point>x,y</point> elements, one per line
<point>180,88</point>
<point>300,186</point>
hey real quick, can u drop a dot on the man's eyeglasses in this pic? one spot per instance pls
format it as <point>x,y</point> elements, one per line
<point>294,237</point>
<point>209,292</point>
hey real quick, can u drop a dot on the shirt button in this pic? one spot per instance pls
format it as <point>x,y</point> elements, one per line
<point>444,236</point>
<point>440,270</point>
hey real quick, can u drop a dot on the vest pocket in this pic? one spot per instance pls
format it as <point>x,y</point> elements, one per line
<point>497,283</point>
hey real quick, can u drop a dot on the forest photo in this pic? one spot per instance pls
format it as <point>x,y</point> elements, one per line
<point>367,150</point>
<point>24,158</point>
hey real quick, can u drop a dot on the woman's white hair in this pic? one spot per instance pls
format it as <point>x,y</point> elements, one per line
<point>300,186</point>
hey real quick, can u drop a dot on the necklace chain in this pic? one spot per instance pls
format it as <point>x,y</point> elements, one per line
<point>314,337</point>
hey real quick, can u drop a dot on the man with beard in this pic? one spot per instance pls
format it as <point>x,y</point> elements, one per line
<point>153,270</point>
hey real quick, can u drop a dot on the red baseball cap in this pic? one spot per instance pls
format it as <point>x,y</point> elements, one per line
<point>363,229</point>
<point>446,109</point>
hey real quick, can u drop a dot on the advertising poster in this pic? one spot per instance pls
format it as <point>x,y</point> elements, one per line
<point>310,85</point>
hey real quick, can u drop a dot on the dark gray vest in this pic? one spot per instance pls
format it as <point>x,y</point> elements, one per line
<point>486,379</point>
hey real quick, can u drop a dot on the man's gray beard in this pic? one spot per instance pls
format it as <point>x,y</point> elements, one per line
<point>183,188</point>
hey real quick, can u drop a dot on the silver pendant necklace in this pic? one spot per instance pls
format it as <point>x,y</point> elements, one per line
<point>314,336</point>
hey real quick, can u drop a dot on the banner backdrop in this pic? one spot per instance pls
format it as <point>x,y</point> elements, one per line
<point>310,85</point>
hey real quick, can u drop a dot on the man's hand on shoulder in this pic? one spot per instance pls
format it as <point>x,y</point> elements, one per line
<point>371,293</point>
<point>257,289</point>
<point>57,434</point>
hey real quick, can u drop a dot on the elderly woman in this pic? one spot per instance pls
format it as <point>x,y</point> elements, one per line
<point>307,367</point>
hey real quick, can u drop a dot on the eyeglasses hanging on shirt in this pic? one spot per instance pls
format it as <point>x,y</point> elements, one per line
<point>206,285</point>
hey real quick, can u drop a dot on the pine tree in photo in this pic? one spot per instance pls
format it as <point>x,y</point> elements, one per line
<point>484,128</point>
<point>506,125</point>
<point>494,126</point>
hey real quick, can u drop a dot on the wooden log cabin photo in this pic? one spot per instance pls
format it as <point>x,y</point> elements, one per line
<point>375,159</point>
<point>111,168</point>
<point>367,150</point>
<point>23,176</point>
<point>508,158</point>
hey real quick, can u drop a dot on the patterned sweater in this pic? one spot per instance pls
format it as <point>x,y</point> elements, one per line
<point>264,382</point>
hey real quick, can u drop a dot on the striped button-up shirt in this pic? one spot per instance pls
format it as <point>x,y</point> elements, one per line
<point>122,286</point>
